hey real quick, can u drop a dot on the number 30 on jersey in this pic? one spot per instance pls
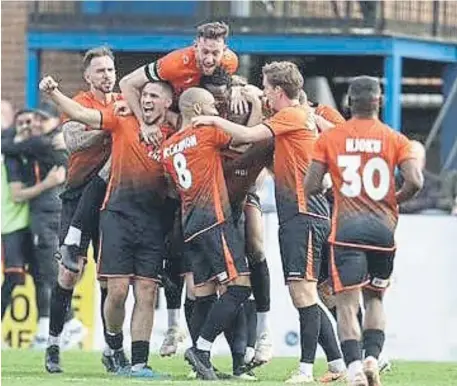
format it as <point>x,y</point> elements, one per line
<point>184,174</point>
<point>356,178</point>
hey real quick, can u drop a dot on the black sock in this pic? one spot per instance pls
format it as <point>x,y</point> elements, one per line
<point>43,292</point>
<point>189,305</point>
<point>309,332</point>
<point>103,295</point>
<point>224,311</point>
<point>60,304</point>
<point>352,351</point>
<point>140,352</point>
<point>251,321</point>
<point>202,307</point>
<point>360,318</point>
<point>327,338</point>
<point>70,315</point>
<point>373,342</point>
<point>115,341</point>
<point>260,282</point>
<point>173,294</point>
<point>236,335</point>
<point>10,281</point>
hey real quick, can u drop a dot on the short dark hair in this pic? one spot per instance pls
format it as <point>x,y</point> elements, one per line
<point>364,95</point>
<point>96,52</point>
<point>214,30</point>
<point>285,75</point>
<point>220,77</point>
<point>165,86</point>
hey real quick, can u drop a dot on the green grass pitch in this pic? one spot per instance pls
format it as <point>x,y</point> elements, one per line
<point>25,368</point>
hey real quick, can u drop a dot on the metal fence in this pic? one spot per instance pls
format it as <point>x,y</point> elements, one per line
<point>428,19</point>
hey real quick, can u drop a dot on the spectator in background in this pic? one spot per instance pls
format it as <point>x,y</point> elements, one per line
<point>439,193</point>
<point>17,238</point>
<point>40,149</point>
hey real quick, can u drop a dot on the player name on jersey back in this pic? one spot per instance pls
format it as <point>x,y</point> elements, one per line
<point>185,143</point>
<point>363,145</point>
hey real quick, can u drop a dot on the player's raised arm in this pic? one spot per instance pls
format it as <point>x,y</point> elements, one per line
<point>73,109</point>
<point>131,86</point>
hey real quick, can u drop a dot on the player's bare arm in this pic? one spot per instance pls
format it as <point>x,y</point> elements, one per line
<point>252,97</point>
<point>413,180</point>
<point>131,86</point>
<point>240,134</point>
<point>314,178</point>
<point>78,138</point>
<point>73,109</point>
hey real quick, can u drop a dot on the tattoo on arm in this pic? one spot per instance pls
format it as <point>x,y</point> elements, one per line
<point>78,138</point>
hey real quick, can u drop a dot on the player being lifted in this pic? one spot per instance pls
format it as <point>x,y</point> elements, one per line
<point>182,69</point>
<point>361,156</point>
<point>304,223</point>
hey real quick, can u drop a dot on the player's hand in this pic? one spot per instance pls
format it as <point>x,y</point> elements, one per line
<point>58,142</point>
<point>55,177</point>
<point>151,134</point>
<point>252,93</point>
<point>48,85</point>
<point>238,103</point>
<point>122,108</point>
<point>204,120</point>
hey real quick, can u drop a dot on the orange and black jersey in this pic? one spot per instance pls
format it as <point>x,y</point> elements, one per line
<point>137,182</point>
<point>329,113</point>
<point>241,170</point>
<point>361,156</point>
<point>294,142</point>
<point>192,157</point>
<point>85,164</point>
<point>180,68</point>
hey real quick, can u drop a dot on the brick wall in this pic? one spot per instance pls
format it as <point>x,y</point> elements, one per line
<point>65,66</point>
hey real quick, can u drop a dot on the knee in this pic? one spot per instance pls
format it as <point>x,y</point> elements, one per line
<point>117,295</point>
<point>145,293</point>
<point>303,293</point>
<point>67,279</point>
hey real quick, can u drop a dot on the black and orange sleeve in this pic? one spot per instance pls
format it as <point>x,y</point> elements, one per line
<point>166,68</point>
<point>108,120</point>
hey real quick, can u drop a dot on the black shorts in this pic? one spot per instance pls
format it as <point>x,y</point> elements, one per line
<point>45,235</point>
<point>324,271</point>
<point>131,245</point>
<point>70,202</point>
<point>301,240</point>
<point>17,250</point>
<point>217,254</point>
<point>355,267</point>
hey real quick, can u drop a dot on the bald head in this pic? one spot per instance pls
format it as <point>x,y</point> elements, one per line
<point>364,95</point>
<point>196,101</point>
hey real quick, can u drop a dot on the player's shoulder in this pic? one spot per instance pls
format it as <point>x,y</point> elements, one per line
<point>229,57</point>
<point>180,58</point>
<point>292,113</point>
<point>83,96</point>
